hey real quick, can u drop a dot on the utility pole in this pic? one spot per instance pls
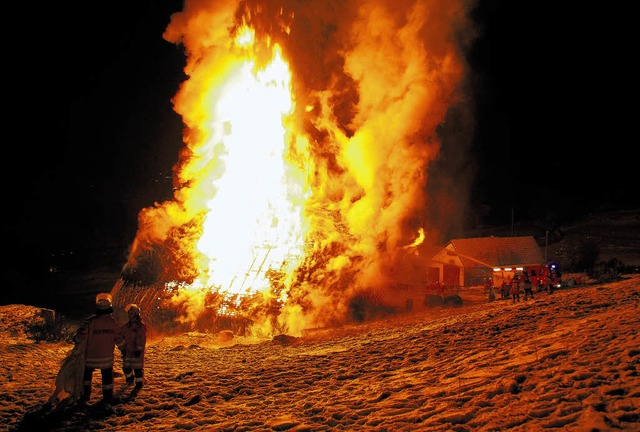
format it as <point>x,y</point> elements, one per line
<point>511,221</point>
<point>546,243</point>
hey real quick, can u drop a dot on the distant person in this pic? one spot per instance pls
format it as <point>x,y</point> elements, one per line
<point>515,289</point>
<point>505,289</point>
<point>550,282</point>
<point>132,346</point>
<point>488,289</point>
<point>528,287</point>
<point>100,333</point>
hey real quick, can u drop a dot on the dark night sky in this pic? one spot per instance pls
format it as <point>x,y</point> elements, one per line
<point>94,136</point>
<point>95,133</point>
<point>552,121</point>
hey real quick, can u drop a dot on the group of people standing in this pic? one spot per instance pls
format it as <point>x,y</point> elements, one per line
<point>521,283</point>
<point>99,335</point>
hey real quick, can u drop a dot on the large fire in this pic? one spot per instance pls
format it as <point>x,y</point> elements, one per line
<point>308,130</point>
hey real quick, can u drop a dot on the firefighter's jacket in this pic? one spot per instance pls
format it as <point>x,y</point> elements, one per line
<point>133,341</point>
<point>100,333</point>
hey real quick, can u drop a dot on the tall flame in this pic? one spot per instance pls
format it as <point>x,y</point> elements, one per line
<point>309,127</point>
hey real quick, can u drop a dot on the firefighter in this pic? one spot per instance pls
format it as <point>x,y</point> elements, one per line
<point>132,345</point>
<point>551,281</point>
<point>515,289</point>
<point>528,287</point>
<point>505,289</point>
<point>488,289</point>
<point>100,333</point>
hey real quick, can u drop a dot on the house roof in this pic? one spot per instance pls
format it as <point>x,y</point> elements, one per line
<point>497,251</point>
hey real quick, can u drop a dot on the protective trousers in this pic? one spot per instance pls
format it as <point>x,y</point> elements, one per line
<point>131,373</point>
<point>107,383</point>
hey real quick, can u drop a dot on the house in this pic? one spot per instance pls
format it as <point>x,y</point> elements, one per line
<point>468,262</point>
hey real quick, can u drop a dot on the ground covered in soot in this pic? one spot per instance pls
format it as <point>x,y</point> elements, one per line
<point>565,361</point>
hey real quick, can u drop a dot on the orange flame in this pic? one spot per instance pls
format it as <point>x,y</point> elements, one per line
<point>308,133</point>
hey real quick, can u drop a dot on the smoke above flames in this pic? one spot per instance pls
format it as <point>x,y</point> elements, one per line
<point>309,131</point>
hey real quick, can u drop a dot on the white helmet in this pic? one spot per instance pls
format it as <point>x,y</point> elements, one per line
<point>132,308</point>
<point>104,301</point>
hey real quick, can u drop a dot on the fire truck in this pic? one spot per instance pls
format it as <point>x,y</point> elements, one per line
<point>543,277</point>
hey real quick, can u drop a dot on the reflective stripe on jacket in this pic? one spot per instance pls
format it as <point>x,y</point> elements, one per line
<point>101,333</point>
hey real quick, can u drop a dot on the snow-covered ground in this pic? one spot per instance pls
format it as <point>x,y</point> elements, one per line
<point>565,361</point>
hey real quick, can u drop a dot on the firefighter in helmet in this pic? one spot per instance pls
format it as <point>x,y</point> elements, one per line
<point>132,346</point>
<point>100,333</point>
